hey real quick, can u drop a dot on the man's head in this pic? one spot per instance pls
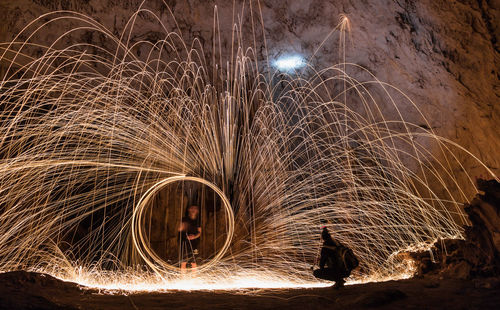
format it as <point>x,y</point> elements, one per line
<point>324,223</point>
<point>193,211</point>
<point>325,235</point>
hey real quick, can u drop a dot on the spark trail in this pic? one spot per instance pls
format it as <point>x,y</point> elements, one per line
<point>87,130</point>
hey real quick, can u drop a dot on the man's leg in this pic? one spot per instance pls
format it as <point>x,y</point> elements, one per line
<point>339,282</point>
<point>193,254</point>
<point>184,258</point>
<point>324,274</point>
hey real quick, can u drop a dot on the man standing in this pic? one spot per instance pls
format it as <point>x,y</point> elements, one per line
<point>190,232</point>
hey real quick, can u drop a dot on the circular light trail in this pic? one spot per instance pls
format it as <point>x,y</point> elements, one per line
<point>161,267</point>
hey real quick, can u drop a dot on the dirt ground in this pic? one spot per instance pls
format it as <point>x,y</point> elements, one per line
<point>22,290</point>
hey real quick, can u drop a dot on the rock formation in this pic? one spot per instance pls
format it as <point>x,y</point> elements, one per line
<point>478,255</point>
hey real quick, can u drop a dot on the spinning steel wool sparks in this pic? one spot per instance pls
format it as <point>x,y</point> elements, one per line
<point>89,134</point>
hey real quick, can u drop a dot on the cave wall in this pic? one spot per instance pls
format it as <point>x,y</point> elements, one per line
<point>443,54</point>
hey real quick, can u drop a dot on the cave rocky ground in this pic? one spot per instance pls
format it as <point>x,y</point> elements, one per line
<point>22,290</point>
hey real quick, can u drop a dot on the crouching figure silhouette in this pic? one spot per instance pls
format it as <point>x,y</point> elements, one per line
<point>339,260</point>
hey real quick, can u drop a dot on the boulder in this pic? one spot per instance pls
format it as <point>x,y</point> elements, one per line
<point>479,254</point>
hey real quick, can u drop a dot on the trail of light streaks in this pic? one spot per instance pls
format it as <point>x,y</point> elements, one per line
<point>87,130</point>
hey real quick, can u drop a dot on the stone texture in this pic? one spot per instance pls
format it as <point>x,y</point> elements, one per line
<point>443,54</point>
<point>381,298</point>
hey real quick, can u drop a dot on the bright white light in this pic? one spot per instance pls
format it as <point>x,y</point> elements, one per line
<point>289,62</point>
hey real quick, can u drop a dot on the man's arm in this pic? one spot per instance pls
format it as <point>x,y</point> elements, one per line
<point>191,237</point>
<point>322,259</point>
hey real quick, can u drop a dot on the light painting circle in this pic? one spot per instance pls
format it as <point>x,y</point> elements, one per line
<point>160,266</point>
